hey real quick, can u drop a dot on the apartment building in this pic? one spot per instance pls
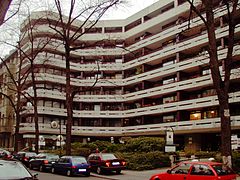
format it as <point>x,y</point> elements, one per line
<point>7,89</point>
<point>152,75</point>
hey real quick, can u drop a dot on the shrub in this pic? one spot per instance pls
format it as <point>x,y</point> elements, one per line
<point>144,144</point>
<point>146,161</point>
<point>205,154</point>
<point>81,152</point>
<point>236,161</point>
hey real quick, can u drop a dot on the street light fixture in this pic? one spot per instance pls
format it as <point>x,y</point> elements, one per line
<point>170,146</point>
<point>55,125</point>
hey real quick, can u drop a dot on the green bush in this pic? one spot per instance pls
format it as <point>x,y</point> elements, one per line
<point>236,161</point>
<point>144,144</point>
<point>205,154</point>
<point>81,152</point>
<point>146,161</point>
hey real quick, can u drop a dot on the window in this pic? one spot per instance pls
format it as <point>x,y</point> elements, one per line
<point>202,170</point>
<point>222,170</point>
<point>181,169</point>
<point>196,115</point>
<point>210,114</point>
<point>169,118</point>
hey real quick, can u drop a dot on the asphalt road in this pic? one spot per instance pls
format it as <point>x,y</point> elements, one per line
<point>125,175</point>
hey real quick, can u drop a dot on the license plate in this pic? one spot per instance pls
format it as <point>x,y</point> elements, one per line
<point>82,170</point>
<point>115,163</point>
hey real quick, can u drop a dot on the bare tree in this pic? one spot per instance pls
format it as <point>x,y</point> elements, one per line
<point>10,7</point>
<point>35,46</point>
<point>90,14</point>
<point>220,82</point>
<point>28,49</point>
<point>15,84</point>
<point>4,5</point>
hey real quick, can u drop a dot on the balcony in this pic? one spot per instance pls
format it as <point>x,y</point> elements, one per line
<point>208,101</point>
<point>199,126</point>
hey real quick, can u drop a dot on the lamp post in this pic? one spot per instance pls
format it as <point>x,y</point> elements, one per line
<point>170,146</point>
<point>55,125</point>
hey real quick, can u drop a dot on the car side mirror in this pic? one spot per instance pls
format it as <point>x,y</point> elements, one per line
<point>169,171</point>
<point>35,176</point>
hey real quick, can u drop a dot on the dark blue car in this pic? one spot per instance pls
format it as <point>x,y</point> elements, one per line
<point>71,165</point>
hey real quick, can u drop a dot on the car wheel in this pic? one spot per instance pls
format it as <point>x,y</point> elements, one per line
<point>88,174</point>
<point>30,166</point>
<point>53,170</point>
<point>118,171</point>
<point>99,170</point>
<point>69,173</point>
<point>41,168</point>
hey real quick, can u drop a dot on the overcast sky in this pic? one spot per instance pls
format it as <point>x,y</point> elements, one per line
<point>131,8</point>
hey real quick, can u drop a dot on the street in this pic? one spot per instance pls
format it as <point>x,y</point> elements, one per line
<point>125,175</point>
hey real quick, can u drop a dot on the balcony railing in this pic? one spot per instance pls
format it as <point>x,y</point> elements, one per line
<point>208,101</point>
<point>199,126</point>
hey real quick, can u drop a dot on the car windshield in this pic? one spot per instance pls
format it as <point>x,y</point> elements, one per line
<point>30,154</point>
<point>47,156</point>
<point>78,160</point>
<point>13,170</point>
<point>108,156</point>
<point>52,156</point>
<point>222,170</point>
<point>3,151</point>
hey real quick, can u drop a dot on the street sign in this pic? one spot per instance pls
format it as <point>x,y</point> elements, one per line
<point>169,148</point>
<point>235,142</point>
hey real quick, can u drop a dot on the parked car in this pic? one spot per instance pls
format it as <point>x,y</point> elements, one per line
<point>197,171</point>
<point>71,165</point>
<point>101,162</point>
<point>15,170</point>
<point>43,161</point>
<point>5,154</point>
<point>25,157</point>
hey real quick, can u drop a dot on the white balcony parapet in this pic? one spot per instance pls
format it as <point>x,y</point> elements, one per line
<point>163,108</point>
<point>203,125</point>
<point>201,81</point>
<point>141,77</point>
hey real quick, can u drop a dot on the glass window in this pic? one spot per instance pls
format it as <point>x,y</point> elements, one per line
<point>202,170</point>
<point>108,156</point>
<point>61,160</point>
<point>195,115</point>
<point>222,170</point>
<point>13,170</point>
<point>52,156</point>
<point>181,169</point>
<point>79,160</point>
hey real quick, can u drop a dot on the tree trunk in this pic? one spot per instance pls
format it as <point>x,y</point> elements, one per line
<point>36,123</point>
<point>68,102</point>
<point>35,108</point>
<point>225,129</point>
<point>221,86</point>
<point>17,138</point>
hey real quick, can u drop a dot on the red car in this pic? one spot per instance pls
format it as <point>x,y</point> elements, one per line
<point>101,162</point>
<point>197,171</point>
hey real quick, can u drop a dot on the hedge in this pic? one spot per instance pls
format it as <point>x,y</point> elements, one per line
<point>146,161</point>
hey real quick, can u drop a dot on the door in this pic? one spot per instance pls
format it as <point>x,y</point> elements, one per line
<point>180,172</point>
<point>201,171</point>
<point>93,160</point>
<point>58,165</point>
<point>67,164</point>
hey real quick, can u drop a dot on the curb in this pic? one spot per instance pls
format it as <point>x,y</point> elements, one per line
<point>102,177</point>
